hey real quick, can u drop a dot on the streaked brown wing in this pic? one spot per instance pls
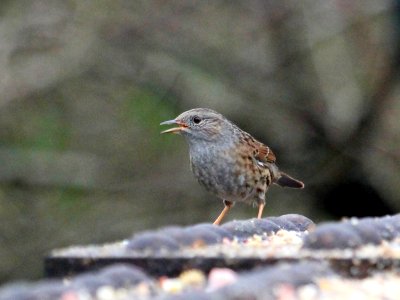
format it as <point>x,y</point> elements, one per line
<point>261,152</point>
<point>264,153</point>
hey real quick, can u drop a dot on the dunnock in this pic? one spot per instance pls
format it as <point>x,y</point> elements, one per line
<point>228,161</point>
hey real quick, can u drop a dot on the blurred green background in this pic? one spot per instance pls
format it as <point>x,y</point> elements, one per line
<point>85,84</point>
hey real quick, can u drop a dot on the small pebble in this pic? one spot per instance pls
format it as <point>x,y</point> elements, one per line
<point>193,278</point>
<point>220,277</point>
<point>171,285</point>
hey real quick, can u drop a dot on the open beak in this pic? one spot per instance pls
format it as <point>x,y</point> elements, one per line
<point>181,126</point>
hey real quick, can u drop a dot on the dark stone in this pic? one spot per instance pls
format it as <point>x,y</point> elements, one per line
<point>152,241</point>
<point>302,223</point>
<point>333,236</point>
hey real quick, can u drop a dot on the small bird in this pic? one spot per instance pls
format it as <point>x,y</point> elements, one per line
<point>228,161</point>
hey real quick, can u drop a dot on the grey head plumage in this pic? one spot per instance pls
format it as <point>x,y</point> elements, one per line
<point>202,125</point>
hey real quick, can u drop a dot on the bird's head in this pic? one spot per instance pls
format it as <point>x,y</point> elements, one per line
<point>199,124</point>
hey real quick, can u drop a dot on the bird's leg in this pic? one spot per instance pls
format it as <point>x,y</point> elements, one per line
<point>260,210</point>
<point>227,207</point>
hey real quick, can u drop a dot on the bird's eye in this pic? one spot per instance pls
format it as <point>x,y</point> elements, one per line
<point>196,119</point>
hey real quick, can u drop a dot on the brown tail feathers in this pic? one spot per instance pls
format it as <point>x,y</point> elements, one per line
<point>286,181</point>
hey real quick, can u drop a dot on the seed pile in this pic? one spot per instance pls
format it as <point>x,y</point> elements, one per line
<point>294,259</point>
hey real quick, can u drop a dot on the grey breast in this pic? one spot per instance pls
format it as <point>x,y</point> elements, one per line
<point>214,169</point>
<point>217,170</point>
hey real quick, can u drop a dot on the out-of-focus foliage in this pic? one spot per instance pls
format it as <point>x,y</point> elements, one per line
<point>84,85</point>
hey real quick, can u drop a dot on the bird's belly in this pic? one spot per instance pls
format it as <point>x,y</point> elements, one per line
<point>224,178</point>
